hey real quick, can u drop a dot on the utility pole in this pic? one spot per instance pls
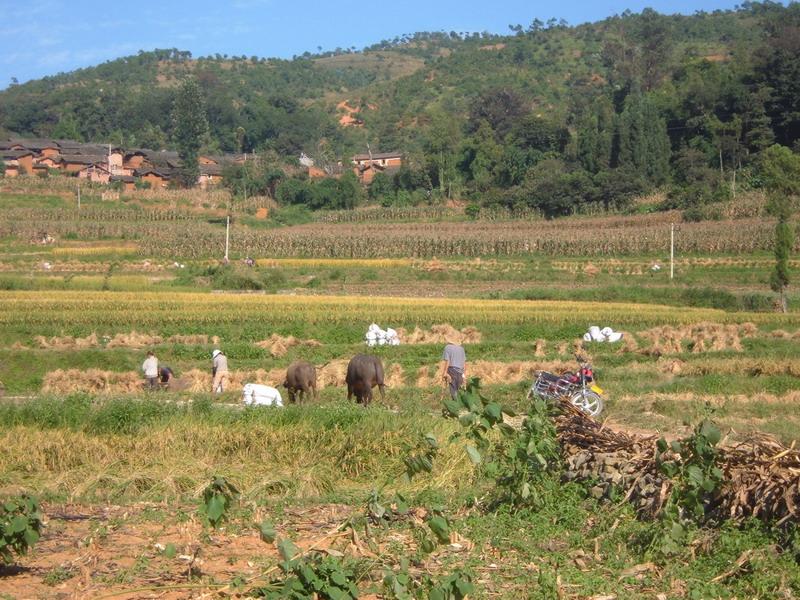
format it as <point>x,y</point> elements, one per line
<point>227,236</point>
<point>671,251</point>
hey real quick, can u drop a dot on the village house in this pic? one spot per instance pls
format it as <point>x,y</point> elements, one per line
<point>105,163</point>
<point>96,173</point>
<point>368,165</point>
<point>39,147</point>
<point>127,182</point>
<point>17,162</point>
<point>74,163</point>
<point>210,174</point>
<point>157,178</point>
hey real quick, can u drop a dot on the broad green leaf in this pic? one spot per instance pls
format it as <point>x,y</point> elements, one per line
<point>31,537</point>
<point>19,524</point>
<point>711,432</point>
<point>464,586</point>
<point>216,508</point>
<point>695,474</point>
<point>287,549</point>
<point>474,455</point>
<point>267,531</point>
<point>494,410</point>
<point>452,407</point>
<point>440,528</point>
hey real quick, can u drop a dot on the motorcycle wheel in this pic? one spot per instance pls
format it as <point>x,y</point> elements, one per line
<point>588,401</point>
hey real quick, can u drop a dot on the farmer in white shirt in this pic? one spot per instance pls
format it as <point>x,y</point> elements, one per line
<point>150,368</point>
<point>219,371</point>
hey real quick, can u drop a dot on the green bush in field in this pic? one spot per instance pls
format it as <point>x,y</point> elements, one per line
<point>20,526</point>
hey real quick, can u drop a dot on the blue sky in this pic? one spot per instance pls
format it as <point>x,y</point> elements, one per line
<point>45,37</point>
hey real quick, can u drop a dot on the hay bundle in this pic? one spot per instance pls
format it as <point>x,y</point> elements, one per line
<point>134,339</point>
<point>424,378</point>
<point>198,339</point>
<point>67,342</point>
<point>91,381</point>
<point>439,334</point>
<point>332,373</point>
<point>278,345</point>
<point>700,337</point>
<point>539,348</point>
<point>762,477</point>
<point>492,372</point>
<point>394,376</point>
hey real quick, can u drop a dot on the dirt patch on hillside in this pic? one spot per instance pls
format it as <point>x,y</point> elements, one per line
<point>278,345</point>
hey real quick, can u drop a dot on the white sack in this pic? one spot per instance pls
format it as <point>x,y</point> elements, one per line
<point>254,394</point>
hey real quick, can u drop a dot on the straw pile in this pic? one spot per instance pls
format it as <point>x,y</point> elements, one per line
<point>493,372</point>
<point>439,334</point>
<point>762,477</point>
<point>700,337</point>
<point>134,339</point>
<point>67,342</point>
<point>278,345</point>
<point>91,381</point>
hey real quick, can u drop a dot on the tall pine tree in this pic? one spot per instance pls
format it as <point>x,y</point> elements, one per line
<point>190,126</point>
<point>644,145</point>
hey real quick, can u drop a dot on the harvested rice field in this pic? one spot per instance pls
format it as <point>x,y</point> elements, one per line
<point>126,479</point>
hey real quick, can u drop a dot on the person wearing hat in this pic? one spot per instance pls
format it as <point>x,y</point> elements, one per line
<point>453,367</point>
<point>219,371</point>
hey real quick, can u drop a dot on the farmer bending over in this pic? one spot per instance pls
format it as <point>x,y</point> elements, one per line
<point>219,371</point>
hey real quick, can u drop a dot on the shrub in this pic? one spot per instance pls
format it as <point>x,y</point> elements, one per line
<point>20,526</point>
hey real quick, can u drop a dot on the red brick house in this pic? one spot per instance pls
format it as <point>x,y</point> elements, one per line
<point>367,165</point>
<point>18,162</point>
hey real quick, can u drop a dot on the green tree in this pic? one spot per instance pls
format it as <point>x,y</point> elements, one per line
<point>2,168</point>
<point>67,129</point>
<point>780,170</point>
<point>644,144</point>
<point>595,138</point>
<point>190,126</point>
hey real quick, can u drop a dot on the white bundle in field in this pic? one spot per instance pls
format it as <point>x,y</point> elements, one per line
<point>254,394</point>
<point>606,334</point>
<point>376,336</point>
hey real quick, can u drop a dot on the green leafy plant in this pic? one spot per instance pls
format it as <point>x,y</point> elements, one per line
<point>218,497</point>
<point>402,586</point>
<point>418,458</point>
<point>516,457</point>
<point>314,576</point>
<point>692,465</point>
<point>20,526</point>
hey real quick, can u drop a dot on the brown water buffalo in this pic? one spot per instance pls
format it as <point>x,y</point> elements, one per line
<point>301,376</point>
<point>364,372</point>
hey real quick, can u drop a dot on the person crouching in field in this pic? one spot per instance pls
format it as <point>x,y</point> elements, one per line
<point>219,371</point>
<point>165,375</point>
<point>150,368</point>
<point>453,367</point>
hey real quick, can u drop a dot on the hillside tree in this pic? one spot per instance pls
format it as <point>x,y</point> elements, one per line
<point>780,170</point>
<point>190,126</point>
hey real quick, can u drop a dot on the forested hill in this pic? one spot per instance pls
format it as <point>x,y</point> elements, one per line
<point>664,96</point>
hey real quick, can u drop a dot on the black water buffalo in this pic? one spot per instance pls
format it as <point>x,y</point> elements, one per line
<point>364,372</point>
<point>301,376</point>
